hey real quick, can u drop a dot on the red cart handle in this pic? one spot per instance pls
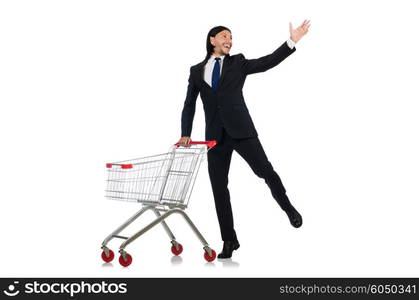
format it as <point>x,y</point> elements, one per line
<point>210,144</point>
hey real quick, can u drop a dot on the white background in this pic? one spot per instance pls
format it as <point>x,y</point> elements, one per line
<point>83,83</point>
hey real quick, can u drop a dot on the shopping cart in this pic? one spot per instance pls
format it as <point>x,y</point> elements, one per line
<point>163,184</point>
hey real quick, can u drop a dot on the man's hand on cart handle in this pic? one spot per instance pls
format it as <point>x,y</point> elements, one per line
<point>185,141</point>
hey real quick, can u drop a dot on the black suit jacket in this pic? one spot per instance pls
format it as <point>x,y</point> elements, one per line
<point>226,107</point>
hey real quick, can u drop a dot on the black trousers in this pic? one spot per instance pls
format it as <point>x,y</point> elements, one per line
<point>219,159</point>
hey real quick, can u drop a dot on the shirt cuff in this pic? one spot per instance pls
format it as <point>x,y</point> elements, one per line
<point>290,43</point>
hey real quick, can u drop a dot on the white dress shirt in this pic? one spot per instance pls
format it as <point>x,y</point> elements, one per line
<point>209,67</point>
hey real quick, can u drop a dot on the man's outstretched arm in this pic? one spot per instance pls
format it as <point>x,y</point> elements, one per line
<point>188,111</point>
<point>264,63</point>
<point>267,62</point>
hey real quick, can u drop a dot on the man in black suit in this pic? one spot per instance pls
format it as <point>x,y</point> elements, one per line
<point>219,78</point>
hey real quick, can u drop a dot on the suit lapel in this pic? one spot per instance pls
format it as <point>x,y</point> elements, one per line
<point>202,72</point>
<point>224,69</point>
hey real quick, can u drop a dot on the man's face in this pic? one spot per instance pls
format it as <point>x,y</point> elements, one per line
<point>222,42</point>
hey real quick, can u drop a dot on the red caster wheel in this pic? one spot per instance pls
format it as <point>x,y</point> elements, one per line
<point>177,251</point>
<point>125,263</point>
<point>109,258</point>
<point>210,258</point>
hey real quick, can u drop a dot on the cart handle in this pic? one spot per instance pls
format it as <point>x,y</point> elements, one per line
<point>210,144</point>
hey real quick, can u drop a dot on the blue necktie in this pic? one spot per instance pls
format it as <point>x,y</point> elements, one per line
<point>216,74</point>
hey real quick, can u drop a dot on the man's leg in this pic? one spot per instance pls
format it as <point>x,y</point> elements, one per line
<point>219,159</point>
<point>252,151</point>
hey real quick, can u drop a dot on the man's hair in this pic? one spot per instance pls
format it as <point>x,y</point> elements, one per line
<point>213,32</point>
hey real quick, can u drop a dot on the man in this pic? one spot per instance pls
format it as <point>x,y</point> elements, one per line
<point>219,78</point>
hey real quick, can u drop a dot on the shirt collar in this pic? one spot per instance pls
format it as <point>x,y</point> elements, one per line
<point>213,57</point>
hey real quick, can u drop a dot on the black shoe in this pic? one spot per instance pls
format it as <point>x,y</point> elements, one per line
<point>295,218</point>
<point>228,248</point>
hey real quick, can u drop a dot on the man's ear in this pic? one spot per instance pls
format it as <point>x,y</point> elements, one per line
<point>212,40</point>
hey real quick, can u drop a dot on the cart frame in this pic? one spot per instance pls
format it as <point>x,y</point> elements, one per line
<point>174,190</point>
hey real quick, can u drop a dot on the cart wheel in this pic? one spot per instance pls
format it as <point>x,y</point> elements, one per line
<point>127,262</point>
<point>210,258</point>
<point>110,258</point>
<point>178,251</point>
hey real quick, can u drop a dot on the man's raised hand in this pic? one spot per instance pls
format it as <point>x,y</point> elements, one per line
<point>297,33</point>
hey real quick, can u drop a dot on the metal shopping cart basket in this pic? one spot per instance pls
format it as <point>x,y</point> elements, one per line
<point>162,183</point>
